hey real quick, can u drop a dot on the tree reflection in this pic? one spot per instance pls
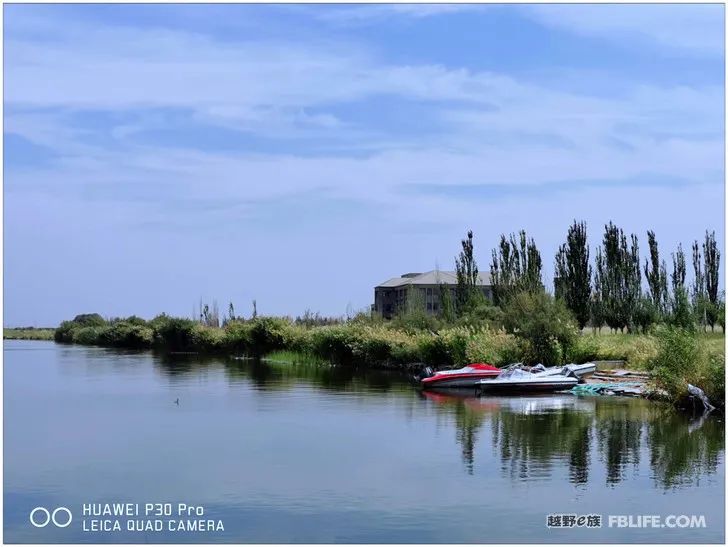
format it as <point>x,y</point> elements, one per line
<point>531,436</point>
<point>531,442</point>
<point>680,454</point>
<point>534,436</point>
<point>467,423</point>
<point>265,374</point>
<point>619,431</point>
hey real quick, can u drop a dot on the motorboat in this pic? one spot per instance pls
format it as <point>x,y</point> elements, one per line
<point>468,376</point>
<point>578,370</point>
<point>528,403</point>
<point>517,380</point>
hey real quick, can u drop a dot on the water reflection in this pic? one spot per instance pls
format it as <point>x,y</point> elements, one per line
<point>530,435</point>
<point>681,450</point>
<point>619,430</point>
<point>344,455</point>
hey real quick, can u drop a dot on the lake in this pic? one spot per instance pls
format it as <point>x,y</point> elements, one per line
<point>280,452</point>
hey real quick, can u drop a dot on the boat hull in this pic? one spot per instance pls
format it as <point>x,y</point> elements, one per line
<point>465,377</point>
<point>461,382</point>
<point>526,386</point>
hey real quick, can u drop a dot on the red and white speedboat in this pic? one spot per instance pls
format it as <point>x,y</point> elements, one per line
<point>468,376</point>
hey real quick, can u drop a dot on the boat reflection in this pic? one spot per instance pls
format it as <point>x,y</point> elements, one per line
<point>529,435</point>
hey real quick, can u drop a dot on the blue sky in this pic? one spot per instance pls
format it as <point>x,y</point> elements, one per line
<point>300,154</point>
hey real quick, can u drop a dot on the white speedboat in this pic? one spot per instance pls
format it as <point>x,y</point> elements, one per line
<point>577,370</point>
<point>517,380</point>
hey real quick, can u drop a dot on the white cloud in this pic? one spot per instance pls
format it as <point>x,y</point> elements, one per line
<point>478,128</point>
<point>496,129</point>
<point>697,28</point>
<point>354,14</point>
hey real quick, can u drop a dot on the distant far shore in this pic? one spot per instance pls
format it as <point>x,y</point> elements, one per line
<point>28,333</point>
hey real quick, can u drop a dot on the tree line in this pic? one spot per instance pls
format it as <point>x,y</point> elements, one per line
<point>608,291</point>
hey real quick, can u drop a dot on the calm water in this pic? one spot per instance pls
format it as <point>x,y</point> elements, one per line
<point>297,453</point>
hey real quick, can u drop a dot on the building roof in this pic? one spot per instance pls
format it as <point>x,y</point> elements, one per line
<point>433,277</point>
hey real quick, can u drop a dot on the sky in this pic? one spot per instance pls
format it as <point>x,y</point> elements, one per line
<point>298,155</point>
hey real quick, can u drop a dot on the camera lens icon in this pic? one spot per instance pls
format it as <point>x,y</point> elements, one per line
<point>40,517</point>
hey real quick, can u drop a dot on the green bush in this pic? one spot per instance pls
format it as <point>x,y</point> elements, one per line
<point>268,334</point>
<point>681,359</point>
<point>332,343</point>
<point>237,336</point>
<point>64,333</point>
<point>449,347</point>
<point>135,320</point>
<point>175,334</point>
<point>89,336</point>
<point>483,314</point>
<point>543,324</point>
<point>493,347</point>
<point>126,335</point>
<point>208,339</point>
<point>711,378</point>
<point>89,320</point>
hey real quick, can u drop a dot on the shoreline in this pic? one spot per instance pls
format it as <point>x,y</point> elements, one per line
<point>649,390</point>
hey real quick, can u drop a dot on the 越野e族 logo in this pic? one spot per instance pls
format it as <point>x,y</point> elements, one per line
<point>61,517</point>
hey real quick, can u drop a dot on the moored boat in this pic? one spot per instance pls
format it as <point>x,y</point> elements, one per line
<point>578,370</point>
<point>517,380</point>
<point>468,376</point>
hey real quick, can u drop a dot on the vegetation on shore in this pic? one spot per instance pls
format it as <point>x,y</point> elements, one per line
<point>28,333</point>
<point>676,355</point>
<point>664,330</point>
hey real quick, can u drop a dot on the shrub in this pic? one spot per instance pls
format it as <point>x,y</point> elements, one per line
<point>175,334</point>
<point>90,336</point>
<point>64,333</point>
<point>237,336</point>
<point>678,354</point>
<point>89,320</point>
<point>332,343</point>
<point>544,325</point>
<point>268,334</point>
<point>208,339</point>
<point>135,320</point>
<point>414,321</point>
<point>126,335</point>
<point>484,313</point>
<point>448,348</point>
<point>494,347</point>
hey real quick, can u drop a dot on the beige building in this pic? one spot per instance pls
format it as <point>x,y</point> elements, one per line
<point>391,296</point>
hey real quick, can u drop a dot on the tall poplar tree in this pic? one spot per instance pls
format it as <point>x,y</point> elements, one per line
<point>572,282</point>
<point>515,267</point>
<point>596,308</point>
<point>700,302</point>
<point>711,255</point>
<point>466,270</point>
<point>681,314</point>
<point>656,275</point>
<point>620,278</point>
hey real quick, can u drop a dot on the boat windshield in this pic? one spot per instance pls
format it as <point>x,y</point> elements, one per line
<point>514,373</point>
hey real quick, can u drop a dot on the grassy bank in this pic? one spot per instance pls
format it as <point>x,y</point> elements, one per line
<point>675,359</point>
<point>28,333</point>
